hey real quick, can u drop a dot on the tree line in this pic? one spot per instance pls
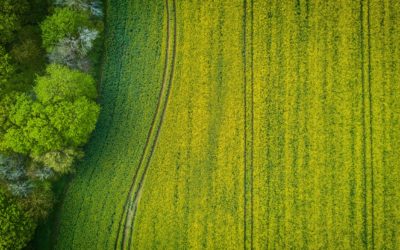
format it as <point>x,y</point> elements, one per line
<point>49,52</point>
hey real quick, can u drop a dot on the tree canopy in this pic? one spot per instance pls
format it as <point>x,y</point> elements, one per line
<point>16,227</point>
<point>63,84</point>
<point>10,12</point>
<point>63,23</point>
<point>6,68</point>
<point>47,113</point>
<point>62,115</point>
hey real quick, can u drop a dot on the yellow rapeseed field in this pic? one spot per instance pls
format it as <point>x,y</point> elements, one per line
<point>255,124</point>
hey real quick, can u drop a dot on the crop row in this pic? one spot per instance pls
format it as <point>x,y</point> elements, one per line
<point>325,111</point>
<point>129,90</point>
<point>193,194</point>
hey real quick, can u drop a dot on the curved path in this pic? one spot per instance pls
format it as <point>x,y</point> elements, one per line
<point>126,222</point>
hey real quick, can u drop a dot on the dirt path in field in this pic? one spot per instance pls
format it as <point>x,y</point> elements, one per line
<point>367,121</point>
<point>248,123</point>
<point>126,222</point>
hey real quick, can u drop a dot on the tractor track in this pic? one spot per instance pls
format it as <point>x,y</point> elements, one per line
<point>365,33</point>
<point>248,96</point>
<point>130,206</point>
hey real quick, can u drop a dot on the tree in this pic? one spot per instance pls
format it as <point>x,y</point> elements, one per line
<point>10,12</point>
<point>63,84</point>
<point>74,120</point>
<point>42,136</point>
<point>61,117</point>
<point>16,112</point>
<point>31,131</point>
<point>7,102</point>
<point>43,173</point>
<point>21,188</point>
<point>12,168</point>
<point>6,68</point>
<point>93,6</point>
<point>27,53</point>
<point>16,227</point>
<point>39,203</point>
<point>60,161</point>
<point>63,23</point>
<point>72,51</point>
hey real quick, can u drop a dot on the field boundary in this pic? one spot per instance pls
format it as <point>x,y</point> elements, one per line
<point>125,224</point>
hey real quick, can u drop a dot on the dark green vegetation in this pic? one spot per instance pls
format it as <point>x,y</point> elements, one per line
<point>48,105</point>
<point>133,67</point>
<point>13,219</point>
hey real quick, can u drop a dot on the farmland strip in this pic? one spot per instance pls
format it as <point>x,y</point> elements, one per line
<point>248,79</point>
<point>365,233</point>
<point>245,125</point>
<point>161,110</point>
<point>103,143</point>
<point>130,206</point>
<point>138,192</point>
<point>371,117</point>
<point>252,124</point>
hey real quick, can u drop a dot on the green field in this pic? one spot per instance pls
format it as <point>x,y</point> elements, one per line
<point>243,124</point>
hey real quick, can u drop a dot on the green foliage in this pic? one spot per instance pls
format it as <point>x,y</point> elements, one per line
<point>63,23</point>
<point>22,109</point>
<point>60,161</point>
<point>10,12</point>
<point>7,102</point>
<point>40,203</point>
<point>41,128</point>
<point>74,120</point>
<point>63,84</point>
<point>27,50</point>
<point>111,152</point>
<point>16,227</point>
<point>28,57</point>
<point>36,128</point>
<point>38,10</point>
<point>6,68</point>
<point>32,132</point>
<point>41,136</point>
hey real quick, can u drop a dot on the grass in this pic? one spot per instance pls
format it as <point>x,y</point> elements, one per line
<point>243,124</point>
